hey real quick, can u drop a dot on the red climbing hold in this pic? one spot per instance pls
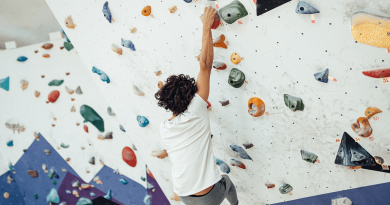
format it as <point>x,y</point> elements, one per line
<point>149,172</point>
<point>53,96</point>
<point>208,105</point>
<point>86,128</point>
<point>129,157</point>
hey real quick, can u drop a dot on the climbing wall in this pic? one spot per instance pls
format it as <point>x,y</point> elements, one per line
<point>36,115</point>
<point>282,50</point>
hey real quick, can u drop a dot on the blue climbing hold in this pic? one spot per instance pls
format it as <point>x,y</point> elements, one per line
<point>66,37</point>
<point>150,186</point>
<point>10,143</point>
<point>222,165</point>
<point>142,121</point>
<point>103,75</point>
<point>305,8</point>
<point>68,192</point>
<point>128,44</point>
<point>108,195</point>
<point>122,128</point>
<point>11,167</point>
<point>123,181</point>
<point>241,152</point>
<point>107,12</point>
<point>322,76</point>
<point>92,194</point>
<point>22,59</point>
<point>53,196</point>
<point>4,83</point>
<point>187,1</point>
<point>84,201</point>
<point>147,199</point>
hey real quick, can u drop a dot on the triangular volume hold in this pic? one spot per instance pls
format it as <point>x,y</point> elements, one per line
<point>351,153</point>
<point>263,6</point>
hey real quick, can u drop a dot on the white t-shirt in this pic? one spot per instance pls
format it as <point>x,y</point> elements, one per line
<point>187,139</point>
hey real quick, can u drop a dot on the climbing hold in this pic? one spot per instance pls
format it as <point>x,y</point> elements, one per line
<point>146,11</point>
<point>10,143</point>
<point>187,1</point>
<point>53,125</point>
<point>68,192</point>
<point>107,12</point>
<point>92,194</point>
<point>92,161</point>
<point>33,173</point>
<point>84,201</point>
<point>22,59</point>
<point>233,11</point>
<point>341,201</point>
<point>69,22</point>
<point>129,156</point>
<point>97,180</point>
<point>54,182</point>
<point>70,91</point>
<point>64,170</point>
<point>219,65</point>
<point>160,84</point>
<point>224,103</point>
<point>351,153</point>
<point>11,167</point>
<point>134,148</point>
<point>237,163</point>
<point>4,83</point>
<point>248,145</point>
<point>138,91</point>
<point>133,30</point>
<point>172,9</point>
<point>285,188</point>
<point>160,154</point>
<point>116,49</point>
<point>108,136</point>
<point>308,156</point>
<point>37,93</point>
<point>53,96</point>
<point>110,112</point>
<point>24,84</point>
<point>127,44</point>
<point>379,73</point>
<point>78,90</point>
<point>46,55</point>
<point>175,197</point>
<point>73,109</point>
<point>100,137</point>
<point>51,173</point>
<point>269,186</point>
<point>9,179</point>
<point>142,121</point>
<point>53,196</point>
<point>64,145</point>
<point>265,6</point>
<point>86,186</point>
<point>158,73</point>
<point>47,46</point>
<point>222,166</point>
<point>56,82</point>
<point>379,160</point>
<point>150,186</point>
<point>322,76</point>
<point>103,75</point>
<point>143,178</point>
<point>36,51</point>
<point>35,196</point>
<point>220,42</point>
<point>122,128</point>
<point>63,203</point>
<point>216,22</point>
<point>236,78</point>
<point>76,184</point>
<point>371,29</point>
<point>44,167</point>
<point>47,151</point>
<point>74,192</point>
<point>294,103</point>
<point>6,195</point>
<point>197,58</point>
<point>66,37</point>
<point>72,99</point>
<point>90,115</point>
<point>123,181</point>
<point>148,200</point>
<point>62,47</point>
<point>68,46</point>
<point>241,152</point>
<point>108,195</point>
<point>42,76</point>
<point>256,107</point>
<point>235,58</point>
<point>362,127</point>
<point>371,111</point>
<point>101,162</point>
<point>116,171</point>
<point>305,8</point>
<point>86,128</point>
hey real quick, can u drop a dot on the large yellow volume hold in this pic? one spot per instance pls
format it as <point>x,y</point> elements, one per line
<point>371,29</point>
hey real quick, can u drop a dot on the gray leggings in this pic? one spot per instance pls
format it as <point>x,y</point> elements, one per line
<point>221,190</point>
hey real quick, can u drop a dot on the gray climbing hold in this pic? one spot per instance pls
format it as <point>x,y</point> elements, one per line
<point>305,8</point>
<point>92,161</point>
<point>78,90</point>
<point>110,112</point>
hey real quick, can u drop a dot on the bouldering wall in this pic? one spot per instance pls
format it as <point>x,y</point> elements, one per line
<point>282,51</point>
<point>54,133</point>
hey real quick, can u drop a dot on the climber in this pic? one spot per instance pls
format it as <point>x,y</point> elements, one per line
<point>187,136</point>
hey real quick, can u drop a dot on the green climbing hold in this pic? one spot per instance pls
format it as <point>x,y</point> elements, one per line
<point>143,178</point>
<point>84,201</point>
<point>90,115</point>
<point>51,173</point>
<point>294,103</point>
<point>232,12</point>
<point>236,78</point>
<point>68,46</point>
<point>53,196</point>
<point>54,182</point>
<point>308,156</point>
<point>56,82</point>
<point>35,196</point>
<point>285,188</point>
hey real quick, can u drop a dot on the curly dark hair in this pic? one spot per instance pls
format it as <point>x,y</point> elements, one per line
<point>177,93</point>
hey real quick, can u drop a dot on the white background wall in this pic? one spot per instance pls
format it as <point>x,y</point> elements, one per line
<point>35,115</point>
<point>282,51</point>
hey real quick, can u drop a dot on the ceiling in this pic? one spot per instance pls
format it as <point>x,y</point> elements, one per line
<point>26,22</point>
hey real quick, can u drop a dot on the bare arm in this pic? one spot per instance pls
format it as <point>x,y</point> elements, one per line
<point>206,54</point>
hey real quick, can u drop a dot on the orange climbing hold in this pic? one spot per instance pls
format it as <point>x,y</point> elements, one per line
<point>129,156</point>
<point>46,55</point>
<point>146,11</point>
<point>256,107</point>
<point>160,154</point>
<point>371,111</point>
<point>116,49</point>
<point>235,58</point>
<point>53,96</point>
<point>172,9</point>
<point>160,84</point>
<point>37,93</point>
<point>362,127</point>
<point>47,46</point>
<point>175,197</point>
<point>69,22</point>
<point>269,186</point>
<point>220,42</point>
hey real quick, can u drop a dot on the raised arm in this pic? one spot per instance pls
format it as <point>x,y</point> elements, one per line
<point>206,54</point>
